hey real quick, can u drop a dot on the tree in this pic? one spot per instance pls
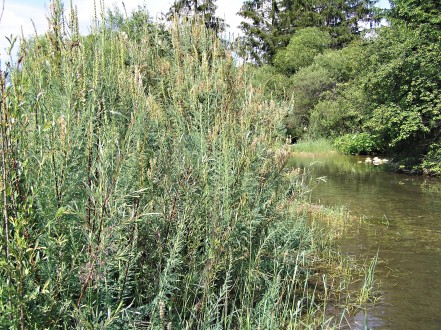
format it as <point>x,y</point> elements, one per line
<point>415,12</point>
<point>301,50</point>
<point>269,24</point>
<point>262,32</point>
<point>198,8</point>
<point>401,82</point>
<point>320,100</point>
<point>132,25</point>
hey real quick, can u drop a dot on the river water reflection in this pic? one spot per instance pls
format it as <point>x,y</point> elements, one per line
<point>403,223</point>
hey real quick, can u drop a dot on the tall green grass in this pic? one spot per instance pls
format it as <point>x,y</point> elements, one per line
<point>144,186</point>
<point>314,146</point>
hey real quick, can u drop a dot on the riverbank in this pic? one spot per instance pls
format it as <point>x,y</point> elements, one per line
<point>398,164</point>
<point>400,222</point>
<point>346,286</point>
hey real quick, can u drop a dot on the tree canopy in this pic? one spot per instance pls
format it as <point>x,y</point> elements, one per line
<point>376,94</point>
<point>402,81</point>
<point>269,24</point>
<point>198,8</point>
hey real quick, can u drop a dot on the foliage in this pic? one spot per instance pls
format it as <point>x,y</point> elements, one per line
<point>144,186</point>
<point>294,126</point>
<point>301,50</point>
<point>337,113</point>
<point>415,13</point>
<point>134,26</point>
<point>392,96</point>
<point>401,83</point>
<point>308,85</point>
<point>269,24</point>
<point>384,86</point>
<point>323,100</point>
<point>341,109</point>
<point>360,143</point>
<point>343,64</point>
<point>205,9</point>
<point>274,84</point>
<point>260,29</point>
<point>431,163</point>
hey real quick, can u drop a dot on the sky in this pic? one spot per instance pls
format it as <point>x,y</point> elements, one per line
<point>18,15</point>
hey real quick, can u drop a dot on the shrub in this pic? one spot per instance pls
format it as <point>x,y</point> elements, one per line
<point>432,161</point>
<point>307,85</point>
<point>359,143</point>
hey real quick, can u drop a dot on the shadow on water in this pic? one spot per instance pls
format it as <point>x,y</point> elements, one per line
<point>403,223</point>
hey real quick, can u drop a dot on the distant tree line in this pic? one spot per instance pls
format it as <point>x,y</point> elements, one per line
<point>370,88</point>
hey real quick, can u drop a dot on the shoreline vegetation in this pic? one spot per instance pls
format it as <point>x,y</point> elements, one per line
<point>371,91</point>
<point>325,147</point>
<point>314,147</point>
<point>144,185</point>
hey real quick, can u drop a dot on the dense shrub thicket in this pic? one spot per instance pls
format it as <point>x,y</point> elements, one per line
<point>142,186</point>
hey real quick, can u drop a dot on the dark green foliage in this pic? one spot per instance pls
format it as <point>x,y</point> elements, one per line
<point>402,83</point>
<point>261,29</point>
<point>415,12</point>
<point>270,24</point>
<point>341,19</point>
<point>205,9</point>
<point>193,7</point>
<point>431,163</point>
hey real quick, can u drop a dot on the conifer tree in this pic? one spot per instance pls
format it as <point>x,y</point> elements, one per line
<point>198,8</point>
<point>261,29</point>
<point>269,24</point>
<point>416,12</point>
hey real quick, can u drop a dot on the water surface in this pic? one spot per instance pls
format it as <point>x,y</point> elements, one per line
<point>403,222</point>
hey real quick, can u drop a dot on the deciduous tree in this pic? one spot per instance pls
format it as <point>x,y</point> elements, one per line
<point>269,24</point>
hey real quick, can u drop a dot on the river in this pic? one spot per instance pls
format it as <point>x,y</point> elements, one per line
<point>402,220</point>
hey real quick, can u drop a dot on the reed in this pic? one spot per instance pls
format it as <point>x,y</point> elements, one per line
<point>367,292</point>
<point>144,185</point>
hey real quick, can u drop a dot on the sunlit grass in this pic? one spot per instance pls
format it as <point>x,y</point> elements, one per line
<point>314,146</point>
